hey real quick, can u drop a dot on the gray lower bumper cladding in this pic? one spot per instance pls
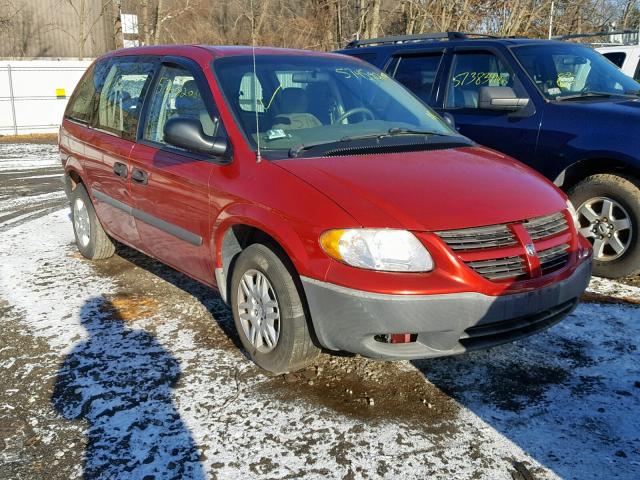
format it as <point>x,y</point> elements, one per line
<point>348,320</point>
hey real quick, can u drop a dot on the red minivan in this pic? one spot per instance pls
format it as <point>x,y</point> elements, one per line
<point>328,206</point>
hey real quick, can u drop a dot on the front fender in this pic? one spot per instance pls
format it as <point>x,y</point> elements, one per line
<point>306,256</point>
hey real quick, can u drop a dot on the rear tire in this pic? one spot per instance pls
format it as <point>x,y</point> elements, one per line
<point>91,239</point>
<point>608,208</point>
<point>271,312</point>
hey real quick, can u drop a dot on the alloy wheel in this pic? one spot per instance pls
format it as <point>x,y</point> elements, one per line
<point>81,222</point>
<point>259,311</point>
<point>607,225</point>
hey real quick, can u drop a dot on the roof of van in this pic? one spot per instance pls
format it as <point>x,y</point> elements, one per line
<point>215,50</point>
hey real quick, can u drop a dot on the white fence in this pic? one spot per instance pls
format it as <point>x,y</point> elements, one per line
<point>34,93</point>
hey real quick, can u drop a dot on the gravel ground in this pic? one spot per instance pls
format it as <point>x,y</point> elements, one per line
<point>127,369</point>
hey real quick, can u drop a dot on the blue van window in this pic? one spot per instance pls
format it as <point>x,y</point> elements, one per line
<point>418,74</point>
<point>472,71</point>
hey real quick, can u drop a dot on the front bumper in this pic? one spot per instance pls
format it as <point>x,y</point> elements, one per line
<point>348,320</point>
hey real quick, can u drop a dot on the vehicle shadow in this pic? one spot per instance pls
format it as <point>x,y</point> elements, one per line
<point>120,381</point>
<point>565,397</point>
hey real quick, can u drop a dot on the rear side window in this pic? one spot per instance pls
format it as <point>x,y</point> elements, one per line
<point>617,58</point>
<point>418,74</point>
<point>636,77</point>
<point>176,94</point>
<point>120,100</point>
<point>83,102</point>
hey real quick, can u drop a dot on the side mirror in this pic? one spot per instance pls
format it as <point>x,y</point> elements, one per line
<point>449,120</point>
<point>187,133</point>
<point>500,98</point>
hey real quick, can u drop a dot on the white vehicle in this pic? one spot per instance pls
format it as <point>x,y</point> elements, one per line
<point>625,57</point>
<point>622,48</point>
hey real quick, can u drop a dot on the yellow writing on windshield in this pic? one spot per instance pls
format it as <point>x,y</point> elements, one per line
<point>355,73</point>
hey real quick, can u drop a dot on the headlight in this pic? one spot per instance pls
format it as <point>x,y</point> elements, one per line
<point>574,214</point>
<point>386,250</point>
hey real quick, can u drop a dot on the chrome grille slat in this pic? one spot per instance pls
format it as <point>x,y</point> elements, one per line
<point>542,227</point>
<point>500,236</point>
<point>499,268</point>
<point>494,236</point>
<point>553,258</point>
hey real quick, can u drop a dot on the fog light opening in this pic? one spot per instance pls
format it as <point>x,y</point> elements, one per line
<point>396,337</point>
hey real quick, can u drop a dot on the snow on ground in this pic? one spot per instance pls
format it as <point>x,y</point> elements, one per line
<point>20,156</point>
<point>29,182</point>
<point>127,369</point>
<point>157,400</point>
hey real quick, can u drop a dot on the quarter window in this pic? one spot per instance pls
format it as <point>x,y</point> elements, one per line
<point>176,94</point>
<point>418,74</point>
<point>82,104</point>
<point>472,71</point>
<point>120,100</point>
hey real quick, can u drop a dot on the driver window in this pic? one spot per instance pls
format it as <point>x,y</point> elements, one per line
<point>472,71</point>
<point>176,94</point>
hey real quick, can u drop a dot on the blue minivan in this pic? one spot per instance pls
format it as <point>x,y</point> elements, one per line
<point>559,107</point>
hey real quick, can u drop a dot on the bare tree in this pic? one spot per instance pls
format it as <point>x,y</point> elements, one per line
<point>117,24</point>
<point>86,21</point>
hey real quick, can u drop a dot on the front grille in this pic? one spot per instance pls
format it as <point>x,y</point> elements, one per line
<point>547,226</point>
<point>500,268</point>
<point>494,236</point>
<point>553,258</point>
<point>469,244</point>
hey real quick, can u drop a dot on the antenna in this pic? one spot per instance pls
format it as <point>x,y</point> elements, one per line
<point>255,82</point>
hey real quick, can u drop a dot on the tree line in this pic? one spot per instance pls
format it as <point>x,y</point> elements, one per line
<point>313,24</point>
<point>330,24</point>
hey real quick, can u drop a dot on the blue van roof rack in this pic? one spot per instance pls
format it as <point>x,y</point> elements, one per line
<point>422,37</point>
<point>594,34</point>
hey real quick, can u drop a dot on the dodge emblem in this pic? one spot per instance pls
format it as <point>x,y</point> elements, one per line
<point>531,250</point>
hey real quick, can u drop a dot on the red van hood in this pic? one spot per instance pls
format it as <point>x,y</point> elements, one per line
<point>430,190</point>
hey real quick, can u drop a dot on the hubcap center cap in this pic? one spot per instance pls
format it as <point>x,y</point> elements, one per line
<point>603,228</point>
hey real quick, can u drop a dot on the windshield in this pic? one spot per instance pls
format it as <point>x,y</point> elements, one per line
<point>565,70</point>
<point>311,100</point>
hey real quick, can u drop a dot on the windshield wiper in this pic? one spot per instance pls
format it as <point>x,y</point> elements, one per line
<point>587,95</point>
<point>295,151</point>
<point>392,132</point>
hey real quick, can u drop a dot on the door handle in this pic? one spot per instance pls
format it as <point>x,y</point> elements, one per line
<point>120,169</point>
<point>139,176</point>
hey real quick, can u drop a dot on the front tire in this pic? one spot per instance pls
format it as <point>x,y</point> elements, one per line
<point>268,312</point>
<point>608,208</point>
<point>91,239</point>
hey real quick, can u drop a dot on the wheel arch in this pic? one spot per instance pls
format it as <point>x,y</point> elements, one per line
<point>584,168</point>
<point>241,226</point>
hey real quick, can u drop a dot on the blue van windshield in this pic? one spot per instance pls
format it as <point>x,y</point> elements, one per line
<point>302,100</point>
<point>566,71</point>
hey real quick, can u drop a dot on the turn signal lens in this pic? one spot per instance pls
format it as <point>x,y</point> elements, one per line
<point>373,249</point>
